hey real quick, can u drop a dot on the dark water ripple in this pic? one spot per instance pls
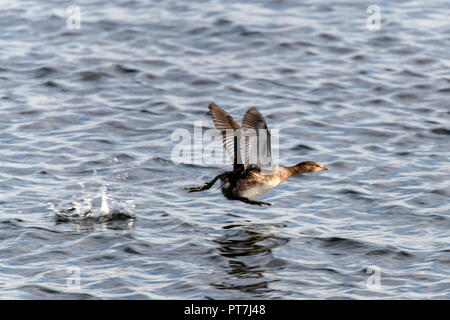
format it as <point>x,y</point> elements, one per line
<point>87,180</point>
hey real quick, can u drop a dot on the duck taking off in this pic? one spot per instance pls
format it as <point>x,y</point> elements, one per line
<point>249,146</point>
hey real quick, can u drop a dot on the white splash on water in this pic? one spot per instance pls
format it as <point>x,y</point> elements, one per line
<point>105,206</point>
<point>102,206</point>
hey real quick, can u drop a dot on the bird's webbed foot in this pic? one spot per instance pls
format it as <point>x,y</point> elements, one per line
<point>251,201</point>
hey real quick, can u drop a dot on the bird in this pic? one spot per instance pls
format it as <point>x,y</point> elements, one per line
<point>250,176</point>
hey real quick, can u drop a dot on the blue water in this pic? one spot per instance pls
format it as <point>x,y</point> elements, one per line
<point>94,207</point>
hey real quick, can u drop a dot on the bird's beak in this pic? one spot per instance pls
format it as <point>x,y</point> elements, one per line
<point>324,169</point>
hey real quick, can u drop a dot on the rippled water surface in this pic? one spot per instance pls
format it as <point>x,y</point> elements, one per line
<point>88,186</point>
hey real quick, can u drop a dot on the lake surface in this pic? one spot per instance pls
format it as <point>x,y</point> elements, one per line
<point>92,205</point>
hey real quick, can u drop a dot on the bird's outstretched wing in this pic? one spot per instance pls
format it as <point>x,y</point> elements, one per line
<point>257,150</point>
<point>227,127</point>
